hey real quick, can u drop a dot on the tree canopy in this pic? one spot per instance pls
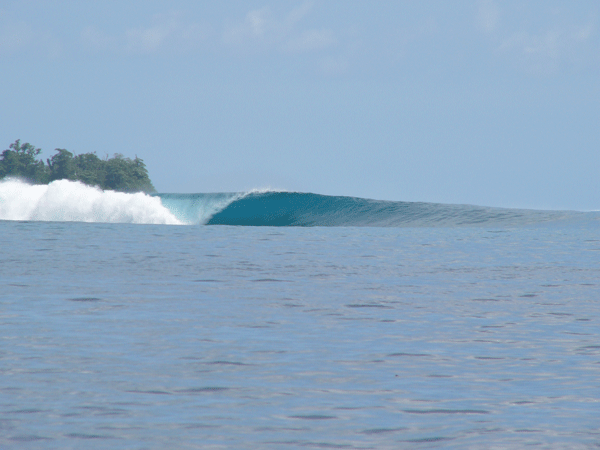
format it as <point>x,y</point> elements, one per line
<point>117,173</point>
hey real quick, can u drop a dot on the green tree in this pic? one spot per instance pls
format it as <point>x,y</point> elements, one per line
<point>117,173</point>
<point>19,160</point>
<point>90,169</point>
<point>61,165</point>
<point>126,175</point>
<point>140,175</point>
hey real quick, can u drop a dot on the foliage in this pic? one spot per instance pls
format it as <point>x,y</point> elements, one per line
<point>61,165</point>
<point>19,160</point>
<point>90,169</point>
<point>117,173</point>
<point>127,175</point>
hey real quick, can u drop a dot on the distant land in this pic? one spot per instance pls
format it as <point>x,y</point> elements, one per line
<point>117,173</point>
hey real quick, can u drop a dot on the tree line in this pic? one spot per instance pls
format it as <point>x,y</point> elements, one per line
<point>117,173</point>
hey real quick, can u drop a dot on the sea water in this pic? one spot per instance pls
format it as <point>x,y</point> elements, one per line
<point>154,336</point>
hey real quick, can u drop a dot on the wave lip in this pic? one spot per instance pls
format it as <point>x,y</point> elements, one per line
<point>72,201</point>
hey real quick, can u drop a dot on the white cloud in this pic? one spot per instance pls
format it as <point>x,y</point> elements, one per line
<point>150,39</point>
<point>549,49</point>
<point>584,33</point>
<point>540,53</point>
<point>556,40</point>
<point>18,37</point>
<point>168,31</point>
<point>95,39</point>
<point>547,44</point>
<point>297,14</point>
<point>15,37</point>
<point>192,35</point>
<point>257,21</point>
<point>310,40</point>
<point>488,16</point>
<point>257,26</point>
<point>261,29</point>
<point>335,65</point>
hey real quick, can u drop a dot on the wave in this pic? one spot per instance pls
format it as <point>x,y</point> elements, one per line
<point>305,209</point>
<point>65,200</point>
<point>288,209</point>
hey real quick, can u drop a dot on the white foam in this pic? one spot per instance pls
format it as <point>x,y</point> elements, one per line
<point>263,190</point>
<point>72,201</point>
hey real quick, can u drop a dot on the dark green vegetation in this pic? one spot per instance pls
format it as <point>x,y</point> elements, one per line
<point>117,173</point>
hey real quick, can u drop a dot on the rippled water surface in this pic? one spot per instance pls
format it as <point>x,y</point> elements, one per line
<point>153,337</point>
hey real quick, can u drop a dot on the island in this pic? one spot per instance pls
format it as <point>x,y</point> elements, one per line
<point>117,173</point>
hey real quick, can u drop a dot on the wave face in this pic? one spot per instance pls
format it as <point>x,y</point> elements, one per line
<point>304,209</point>
<point>197,208</point>
<point>72,201</point>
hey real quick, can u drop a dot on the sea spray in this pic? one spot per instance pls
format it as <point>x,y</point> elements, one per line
<point>72,201</point>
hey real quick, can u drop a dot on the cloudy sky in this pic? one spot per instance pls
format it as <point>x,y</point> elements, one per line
<point>482,102</point>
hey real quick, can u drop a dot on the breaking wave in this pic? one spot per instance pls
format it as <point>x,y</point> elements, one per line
<point>287,209</point>
<point>65,200</point>
<point>304,209</point>
<point>72,201</point>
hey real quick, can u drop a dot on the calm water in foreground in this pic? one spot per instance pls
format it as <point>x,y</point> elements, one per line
<point>175,337</point>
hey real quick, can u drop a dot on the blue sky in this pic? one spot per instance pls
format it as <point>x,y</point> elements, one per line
<point>480,102</point>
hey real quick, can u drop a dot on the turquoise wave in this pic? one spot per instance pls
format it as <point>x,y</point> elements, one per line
<point>64,200</point>
<point>285,209</point>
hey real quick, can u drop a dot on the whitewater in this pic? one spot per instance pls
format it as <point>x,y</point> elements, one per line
<point>72,201</point>
<point>65,200</point>
<point>133,321</point>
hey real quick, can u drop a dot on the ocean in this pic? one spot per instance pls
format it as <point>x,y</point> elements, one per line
<point>283,320</point>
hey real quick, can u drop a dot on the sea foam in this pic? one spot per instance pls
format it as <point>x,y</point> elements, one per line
<point>72,201</point>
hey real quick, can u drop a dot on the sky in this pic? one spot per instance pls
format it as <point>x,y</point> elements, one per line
<point>493,103</point>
